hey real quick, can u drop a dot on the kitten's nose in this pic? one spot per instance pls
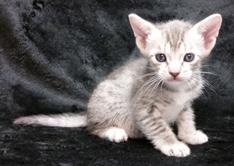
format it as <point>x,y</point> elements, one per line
<point>174,74</point>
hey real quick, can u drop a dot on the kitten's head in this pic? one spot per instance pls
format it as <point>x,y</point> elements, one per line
<point>176,48</point>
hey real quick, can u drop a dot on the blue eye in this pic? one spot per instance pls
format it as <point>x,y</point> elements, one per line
<point>161,57</point>
<point>189,57</point>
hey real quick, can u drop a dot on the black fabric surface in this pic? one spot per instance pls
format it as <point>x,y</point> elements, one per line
<point>54,52</point>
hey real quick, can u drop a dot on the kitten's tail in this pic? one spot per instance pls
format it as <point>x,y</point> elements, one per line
<point>60,120</point>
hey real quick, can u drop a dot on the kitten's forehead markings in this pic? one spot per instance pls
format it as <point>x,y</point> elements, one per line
<point>182,51</point>
<point>168,48</point>
<point>175,37</point>
<point>182,48</point>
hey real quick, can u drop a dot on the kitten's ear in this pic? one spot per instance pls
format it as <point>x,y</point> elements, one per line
<point>142,29</point>
<point>209,30</point>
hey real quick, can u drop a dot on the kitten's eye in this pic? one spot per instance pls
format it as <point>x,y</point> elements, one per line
<point>189,57</point>
<point>161,57</point>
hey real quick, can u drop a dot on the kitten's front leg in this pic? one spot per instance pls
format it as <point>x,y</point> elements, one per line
<point>187,131</point>
<point>159,133</point>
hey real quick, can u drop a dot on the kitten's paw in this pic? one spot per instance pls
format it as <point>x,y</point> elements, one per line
<point>178,149</point>
<point>115,134</point>
<point>195,138</point>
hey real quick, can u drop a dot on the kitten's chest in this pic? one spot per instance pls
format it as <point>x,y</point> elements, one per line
<point>180,99</point>
<point>172,104</point>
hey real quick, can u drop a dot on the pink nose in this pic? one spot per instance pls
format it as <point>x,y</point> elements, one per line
<point>174,74</point>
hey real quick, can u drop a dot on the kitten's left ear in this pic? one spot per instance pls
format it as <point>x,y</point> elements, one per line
<point>142,30</point>
<point>209,30</point>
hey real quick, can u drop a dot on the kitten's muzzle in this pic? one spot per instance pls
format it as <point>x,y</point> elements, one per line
<point>174,75</point>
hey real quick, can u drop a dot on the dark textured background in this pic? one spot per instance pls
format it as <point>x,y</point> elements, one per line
<point>54,52</point>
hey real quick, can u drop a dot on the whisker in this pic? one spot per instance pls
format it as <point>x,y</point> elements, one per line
<point>153,68</point>
<point>203,93</point>
<point>203,72</point>
<point>157,82</point>
<point>162,85</point>
<point>152,82</point>
<point>189,85</point>
<point>194,80</point>
<point>206,66</point>
<point>207,84</point>
<point>149,81</point>
<point>145,75</point>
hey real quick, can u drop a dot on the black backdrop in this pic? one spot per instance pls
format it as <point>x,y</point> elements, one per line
<point>53,54</point>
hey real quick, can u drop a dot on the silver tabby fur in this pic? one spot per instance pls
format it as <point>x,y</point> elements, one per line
<point>142,98</point>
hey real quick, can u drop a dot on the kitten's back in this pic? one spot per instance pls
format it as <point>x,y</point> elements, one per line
<point>110,103</point>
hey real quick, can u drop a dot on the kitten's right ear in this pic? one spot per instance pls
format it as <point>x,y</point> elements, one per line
<point>142,29</point>
<point>209,30</point>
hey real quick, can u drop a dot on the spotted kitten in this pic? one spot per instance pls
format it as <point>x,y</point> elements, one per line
<point>146,95</point>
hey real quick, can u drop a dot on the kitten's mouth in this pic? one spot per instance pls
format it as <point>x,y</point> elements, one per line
<point>174,79</point>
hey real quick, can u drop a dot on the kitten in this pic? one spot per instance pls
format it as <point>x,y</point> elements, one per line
<point>143,97</point>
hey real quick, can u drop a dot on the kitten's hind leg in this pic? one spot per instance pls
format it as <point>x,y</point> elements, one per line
<point>113,134</point>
